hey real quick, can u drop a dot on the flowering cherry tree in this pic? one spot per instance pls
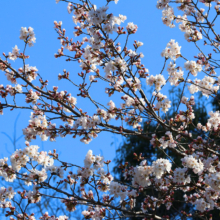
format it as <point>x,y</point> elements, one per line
<point>104,57</point>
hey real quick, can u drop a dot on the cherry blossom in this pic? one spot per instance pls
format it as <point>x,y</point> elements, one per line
<point>107,55</point>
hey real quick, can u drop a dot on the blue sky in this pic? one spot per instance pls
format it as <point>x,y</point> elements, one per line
<point>40,15</point>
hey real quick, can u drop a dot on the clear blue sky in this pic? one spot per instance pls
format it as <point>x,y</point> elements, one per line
<point>40,15</point>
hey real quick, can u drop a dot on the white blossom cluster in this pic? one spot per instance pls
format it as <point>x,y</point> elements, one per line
<point>129,101</point>
<point>206,86</point>
<point>214,120</point>
<point>56,170</point>
<point>133,119</point>
<point>14,54</point>
<point>191,34</point>
<point>10,75</point>
<point>87,123</point>
<point>167,141</point>
<point>163,102</point>
<point>168,17</point>
<point>93,163</point>
<point>157,80</point>
<point>30,72</point>
<point>46,216</point>
<point>36,175</point>
<point>94,213</point>
<point>180,176</point>
<point>33,196</point>
<point>193,67</point>
<point>118,64</point>
<point>97,16</point>
<point>134,84</point>
<point>172,50</point>
<point>11,90</point>
<point>88,55</point>
<point>96,161</point>
<point>119,190</point>
<point>142,174</point>
<point>175,74</point>
<point>193,163</point>
<point>161,4</point>
<point>213,180</point>
<point>160,166</point>
<point>131,27</point>
<point>202,205</point>
<point>28,35</point>
<point>6,193</point>
<point>20,158</point>
<point>104,114</point>
<point>32,97</point>
<point>37,126</point>
<point>4,173</point>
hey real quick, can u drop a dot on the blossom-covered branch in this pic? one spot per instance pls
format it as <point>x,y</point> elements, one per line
<point>101,50</point>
